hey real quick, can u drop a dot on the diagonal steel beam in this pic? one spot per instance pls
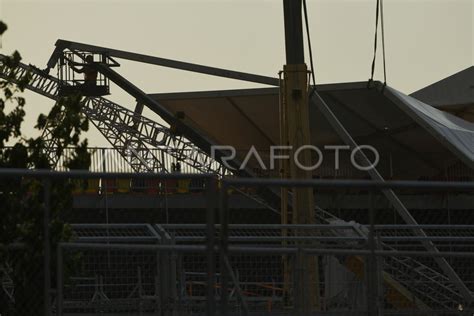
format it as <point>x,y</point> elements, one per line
<point>201,141</point>
<point>389,135</point>
<point>194,136</point>
<point>63,44</point>
<point>318,102</point>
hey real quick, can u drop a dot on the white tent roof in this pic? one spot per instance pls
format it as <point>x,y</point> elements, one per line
<point>450,130</point>
<point>414,139</point>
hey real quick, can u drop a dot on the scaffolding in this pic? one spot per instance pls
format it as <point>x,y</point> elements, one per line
<point>130,278</point>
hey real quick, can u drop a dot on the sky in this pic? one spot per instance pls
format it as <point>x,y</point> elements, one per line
<point>426,40</point>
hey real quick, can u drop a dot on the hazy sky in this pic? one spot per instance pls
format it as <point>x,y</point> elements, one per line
<point>426,40</point>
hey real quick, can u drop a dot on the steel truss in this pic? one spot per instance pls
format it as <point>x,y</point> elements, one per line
<point>128,132</point>
<point>197,139</point>
<point>51,144</point>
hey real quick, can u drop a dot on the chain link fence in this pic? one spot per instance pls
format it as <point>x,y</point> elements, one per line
<point>334,267</point>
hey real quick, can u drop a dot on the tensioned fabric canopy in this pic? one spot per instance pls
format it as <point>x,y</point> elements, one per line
<point>455,133</point>
<point>454,94</point>
<point>414,139</point>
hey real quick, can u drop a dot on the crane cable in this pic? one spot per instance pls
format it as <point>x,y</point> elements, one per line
<point>379,12</point>
<point>313,77</point>
<point>383,44</point>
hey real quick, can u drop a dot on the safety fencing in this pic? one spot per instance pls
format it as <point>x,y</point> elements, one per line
<point>137,279</point>
<point>331,267</point>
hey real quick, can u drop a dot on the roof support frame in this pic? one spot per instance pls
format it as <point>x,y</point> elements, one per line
<point>317,101</point>
<point>348,86</point>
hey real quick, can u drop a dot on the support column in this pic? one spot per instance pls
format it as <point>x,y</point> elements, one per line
<point>47,245</point>
<point>295,132</point>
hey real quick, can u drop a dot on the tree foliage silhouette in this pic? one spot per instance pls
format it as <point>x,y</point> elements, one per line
<point>21,199</point>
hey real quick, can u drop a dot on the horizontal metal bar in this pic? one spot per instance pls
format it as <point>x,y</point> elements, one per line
<point>422,226</point>
<point>250,182</point>
<point>336,239</point>
<point>43,173</point>
<point>116,239</point>
<point>213,71</point>
<point>429,238</point>
<point>264,250</point>
<point>317,226</point>
<point>276,238</point>
<point>362,184</point>
<point>113,225</point>
<point>260,226</point>
<point>388,253</point>
<point>131,247</point>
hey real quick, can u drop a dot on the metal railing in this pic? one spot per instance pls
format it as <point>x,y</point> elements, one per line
<point>108,159</point>
<point>220,268</point>
<point>433,280</point>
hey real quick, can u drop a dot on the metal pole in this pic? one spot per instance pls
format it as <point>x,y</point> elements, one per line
<point>296,133</point>
<point>293,31</point>
<point>173,278</point>
<point>379,277</point>
<point>224,247</point>
<point>211,264</point>
<point>164,291</point>
<point>158,281</point>
<point>59,282</point>
<point>47,245</point>
<point>298,284</point>
<point>371,262</point>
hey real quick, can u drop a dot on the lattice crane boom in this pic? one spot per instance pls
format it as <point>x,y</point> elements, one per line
<point>128,132</point>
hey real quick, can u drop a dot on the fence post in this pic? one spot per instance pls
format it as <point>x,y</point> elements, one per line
<point>379,280</point>
<point>47,245</point>
<point>211,265</point>
<point>166,281</point>
<point>59,281</point>
<point>173,278</point>
<point>223,250</point>
<point>372,297</point>
<point>298,284</point>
